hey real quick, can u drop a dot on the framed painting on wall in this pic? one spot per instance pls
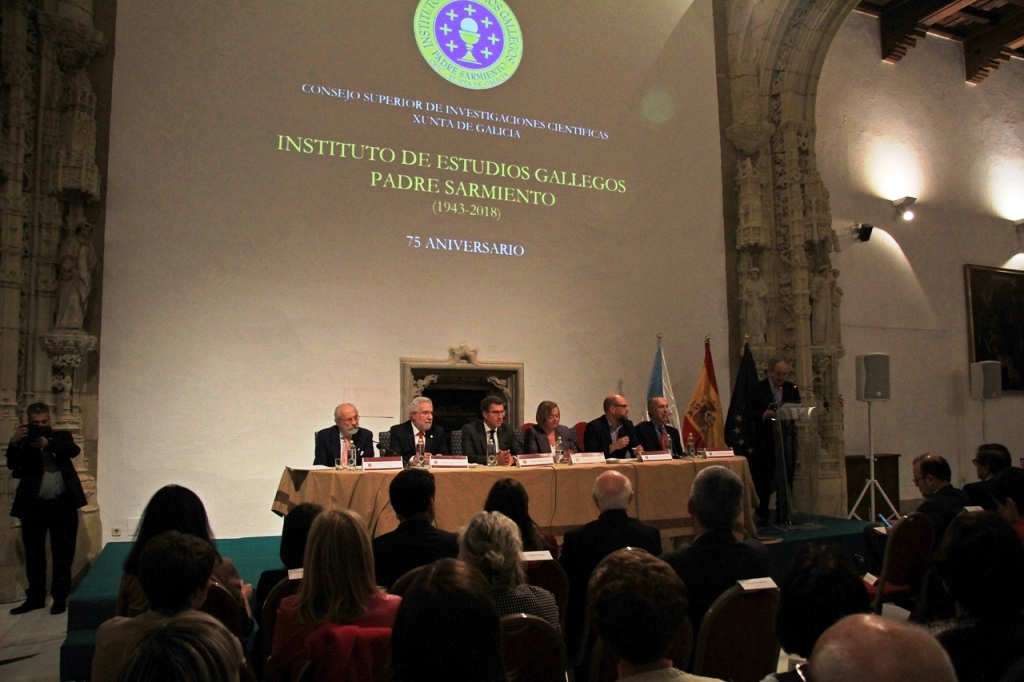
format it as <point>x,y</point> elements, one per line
<point>995,320</point>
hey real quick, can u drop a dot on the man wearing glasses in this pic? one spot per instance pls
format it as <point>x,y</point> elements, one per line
<point>492,428</point>
<point>613,434</point>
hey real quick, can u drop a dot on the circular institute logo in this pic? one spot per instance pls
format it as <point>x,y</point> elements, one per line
<point>474,44</point>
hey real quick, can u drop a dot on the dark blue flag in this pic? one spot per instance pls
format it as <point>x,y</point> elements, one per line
<point>739,430</point>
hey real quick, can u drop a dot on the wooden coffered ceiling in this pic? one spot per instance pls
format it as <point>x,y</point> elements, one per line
<point>991,31</point>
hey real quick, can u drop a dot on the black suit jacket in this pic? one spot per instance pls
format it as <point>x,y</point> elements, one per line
<point>597,437</point>
<point>584,547</point>
<point>650,439</point>
<point>327,446</point>
<point>713,564</point>
<point>942,507</point>
<point>474,441</point>
<point>979,494</point>
<point>413,544</point>
<point>26,464</point>
<point>403,443</point>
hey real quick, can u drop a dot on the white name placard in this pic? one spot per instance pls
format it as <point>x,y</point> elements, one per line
<point>587,458</point>
<point>719,453</point>
<point>448,462</point>
<point>755,584</point>
<point>294,574</point>
<point>542,555</point>
<point>656,456</point>
<point>378,463</point>
<point>535,460</point>
<point>973,508</point>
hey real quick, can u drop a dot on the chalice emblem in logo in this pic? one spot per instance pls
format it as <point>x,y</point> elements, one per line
<point>470,43</point>
<point>468,33</point>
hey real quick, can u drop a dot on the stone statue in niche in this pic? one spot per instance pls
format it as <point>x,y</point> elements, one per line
<point>75,263</point>
<point>821,305</point>
<point>754,299</point>
<point>837,300</point>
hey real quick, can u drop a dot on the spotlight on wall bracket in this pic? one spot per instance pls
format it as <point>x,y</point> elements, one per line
<point>862,231</point>
<point>903,205</point>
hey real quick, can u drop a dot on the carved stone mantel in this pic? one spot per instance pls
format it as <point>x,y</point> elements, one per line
<point>507,377</point>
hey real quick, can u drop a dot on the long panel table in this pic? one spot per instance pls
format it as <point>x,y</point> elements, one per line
<point>560,495</point>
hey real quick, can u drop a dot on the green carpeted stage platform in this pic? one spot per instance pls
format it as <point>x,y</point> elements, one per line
<point>95,599</point>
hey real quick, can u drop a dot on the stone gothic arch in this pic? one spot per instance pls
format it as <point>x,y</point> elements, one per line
<point>777,216</point>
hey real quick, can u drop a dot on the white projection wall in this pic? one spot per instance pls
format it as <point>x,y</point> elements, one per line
<point>256,274</point>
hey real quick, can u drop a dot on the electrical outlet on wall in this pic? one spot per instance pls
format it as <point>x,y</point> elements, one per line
<point>116,531</point>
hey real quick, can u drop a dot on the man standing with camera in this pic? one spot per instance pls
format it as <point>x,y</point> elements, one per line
<point>47,500</point>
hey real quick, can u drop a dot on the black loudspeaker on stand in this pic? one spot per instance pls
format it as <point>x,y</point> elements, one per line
<point>872,386</point>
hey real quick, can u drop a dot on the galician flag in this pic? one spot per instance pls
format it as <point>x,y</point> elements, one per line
<point>660,386</point>
<point>704,418</point>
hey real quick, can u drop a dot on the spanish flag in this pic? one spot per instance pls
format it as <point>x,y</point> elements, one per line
<point>704,417</point>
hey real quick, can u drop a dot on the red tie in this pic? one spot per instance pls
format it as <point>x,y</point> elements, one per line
<point>662,437</point>
<point>420,437</point>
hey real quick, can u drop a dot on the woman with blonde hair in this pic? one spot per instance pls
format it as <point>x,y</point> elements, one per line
<point>492,544</point>
<point>338,586</point>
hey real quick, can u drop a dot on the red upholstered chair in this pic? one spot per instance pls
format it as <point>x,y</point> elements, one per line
<point>908,552</point>
<point>532,650</point>
<point>551,576</point>
<point>348,653</point>
<point>580,427</point>
<point>283,589</point>
<point>737,639</point>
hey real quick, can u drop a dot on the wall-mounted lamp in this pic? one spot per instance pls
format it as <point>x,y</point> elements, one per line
<point>903,205</point>
<point>862,231</point>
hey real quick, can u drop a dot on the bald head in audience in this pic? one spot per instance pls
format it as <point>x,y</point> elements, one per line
<point>869,648</point>
<point>612,490</point>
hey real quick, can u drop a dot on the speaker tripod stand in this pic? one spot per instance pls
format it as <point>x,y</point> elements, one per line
<point>871,485</point>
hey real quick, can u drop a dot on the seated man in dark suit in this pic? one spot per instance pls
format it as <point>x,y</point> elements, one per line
<point>991,460</point>
<point>612,433</point>
<point>583,548</point>
<point>492,427</point>
<point>653,434</point>
<point>416,542</point>
<point>942,502</point>
<point>419,429</point>
<point>344,438</point>
<point>716,559</point>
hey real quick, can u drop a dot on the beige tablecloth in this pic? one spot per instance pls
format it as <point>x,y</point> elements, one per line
<point>560,495</point>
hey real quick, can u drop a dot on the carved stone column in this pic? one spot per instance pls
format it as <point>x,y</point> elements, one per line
<point>48,175</point>
<point>777,215</point>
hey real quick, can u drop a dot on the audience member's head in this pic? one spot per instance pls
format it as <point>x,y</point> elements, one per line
<point>191,647</point>
<point>295,531</point>
<point>981,560</point>
<point>820,588</point>
<point>869,648</point>
<point>175,570</point>
<point>931,472</point>
<point>612,490</point>
<point>447,628</point>
<point>509,497</point>
<point>638,602</point>
<point>1008,491</point>
<point>412,493</point>
<point>491,544</point>
<point>173,507</point>
<point>337,573</point>
<point>992,459</point>
<point>715,498</point>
